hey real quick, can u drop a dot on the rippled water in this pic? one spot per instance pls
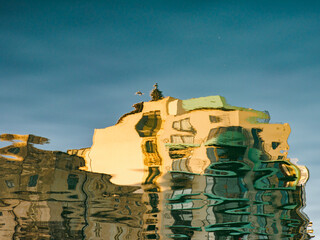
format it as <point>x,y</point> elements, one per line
<point>153,178</point>
<point>241,195</point>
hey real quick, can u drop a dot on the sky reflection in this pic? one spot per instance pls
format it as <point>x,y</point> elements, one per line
<point>64,64</point>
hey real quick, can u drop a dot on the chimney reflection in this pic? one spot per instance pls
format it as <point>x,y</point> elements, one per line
<point>170,169</point>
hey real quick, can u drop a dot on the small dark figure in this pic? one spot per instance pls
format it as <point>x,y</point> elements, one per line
<point>139,93</point>
<point>156,94</point>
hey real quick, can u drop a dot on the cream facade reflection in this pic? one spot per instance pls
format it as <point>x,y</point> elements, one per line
<point>184,125</point>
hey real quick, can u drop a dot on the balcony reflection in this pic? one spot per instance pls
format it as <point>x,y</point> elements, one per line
<point>170,169</point>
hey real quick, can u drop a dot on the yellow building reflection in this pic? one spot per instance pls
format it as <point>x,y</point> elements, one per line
<point>173,134</point>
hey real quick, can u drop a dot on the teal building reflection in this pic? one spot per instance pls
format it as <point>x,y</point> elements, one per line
<point>246,195</point>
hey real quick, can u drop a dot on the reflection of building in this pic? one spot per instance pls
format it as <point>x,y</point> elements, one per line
<point>181,126</point>
<point>200,151</point>
<point>44,195</point>
<point>170,169</point>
